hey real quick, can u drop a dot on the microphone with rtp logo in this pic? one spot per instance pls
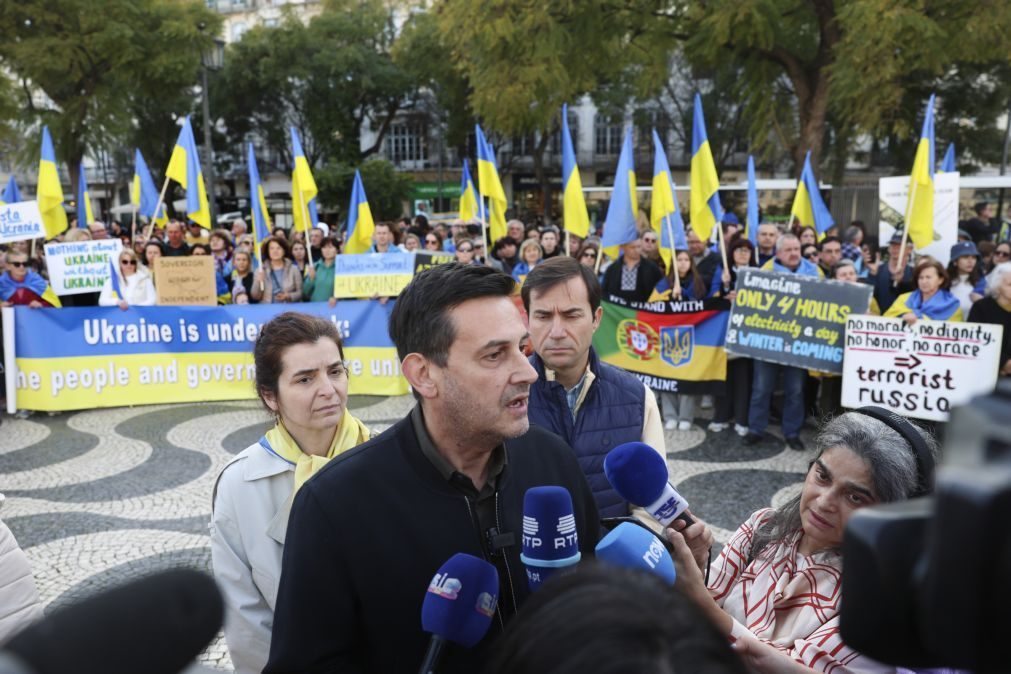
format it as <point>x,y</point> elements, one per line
<point>635,547</point>
<point>458,606</point>
<point>639,474</point>
<point>550,541</point>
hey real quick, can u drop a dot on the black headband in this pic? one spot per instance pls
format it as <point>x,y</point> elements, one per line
<point>921,452</point>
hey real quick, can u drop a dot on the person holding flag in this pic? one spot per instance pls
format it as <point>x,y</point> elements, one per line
<point>21,286</point>
<point>303,189</point>
<point>468,195</point>
<point>808,207</point>
<point>631,277</point>
<point>490,188</point>
<point>664,214</point>
<point>129,285</point>
<point>11,193</point>
<point>360,225</point>
<point>49,192</point>
<point>576,218</point>
<point>85,216</point>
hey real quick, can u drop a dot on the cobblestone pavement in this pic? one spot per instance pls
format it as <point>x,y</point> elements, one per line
<point>99,497</point>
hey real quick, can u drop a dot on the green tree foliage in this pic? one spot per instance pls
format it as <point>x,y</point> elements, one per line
<point>326,79</point>
<point>86,66</point>
<point>386,188</point>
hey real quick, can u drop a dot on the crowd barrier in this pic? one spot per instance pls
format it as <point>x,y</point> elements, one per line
<point>83,358</point>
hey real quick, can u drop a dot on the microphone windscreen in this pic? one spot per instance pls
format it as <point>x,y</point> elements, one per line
<point>461,600</point>
<point>634,547</point>
<point>637,472</point>
<point>157,625</point>
<point>550,540</point>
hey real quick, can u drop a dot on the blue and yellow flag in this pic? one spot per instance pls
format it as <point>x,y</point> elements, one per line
<point>948,165</point>
<point>184,168</point>
<point>303,187</point>
<point>143,193</point>
<point>920,205</point>
<point>360,223</point>
<point>705,209</point>
<point>117,289</point>
<point>664,214</point>
<point>49,192</point>
<point>808,206</point>
<point>577,220</point>
<point>11,194</point>
<point>751,224</point>
<point>258,204</point>
<point>490,186</point>
<point>623,211</point>
<point>468,194</point>
<point>85,216</point>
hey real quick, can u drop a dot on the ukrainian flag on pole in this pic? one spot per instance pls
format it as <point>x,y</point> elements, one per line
<point>623,211</point>
<point>85,216</point>
<point>490,186</point>
<point>705,206</point>
<point>577,220</point>
<point>920,206</point>
<point>258,204</point>
<point>468,194</point>
<point>303,186</point>
<point>948,165</point>
<point>360,223</point>
<point>664,214</point>
<point>49,192</point>
<point>184,168</point>
<point>808,206</point>
<point>143,193</point>
<point>752,220</point>
<point>117,289</point>
<point>11,194</point>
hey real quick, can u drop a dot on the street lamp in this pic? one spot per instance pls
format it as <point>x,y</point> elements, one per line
<point>211,58</point>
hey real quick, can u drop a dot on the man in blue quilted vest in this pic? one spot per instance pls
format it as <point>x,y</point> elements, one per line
<point>593,406</point>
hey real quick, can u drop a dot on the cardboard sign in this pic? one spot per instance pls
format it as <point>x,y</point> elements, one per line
<point>185,280</point>
<point>892,197</point>
<point>372,274</point>
<point>82,266</point>
<point>20,221</point>
<point>921,371</point>
<point>793,320</point>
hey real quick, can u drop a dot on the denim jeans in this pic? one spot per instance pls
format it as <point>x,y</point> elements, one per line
<point>763,384</point>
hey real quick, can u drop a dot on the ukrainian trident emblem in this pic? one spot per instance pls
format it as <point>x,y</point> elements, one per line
<point>677,344</point>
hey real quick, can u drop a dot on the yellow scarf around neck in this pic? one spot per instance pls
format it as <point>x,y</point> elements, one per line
<point>350,433</point>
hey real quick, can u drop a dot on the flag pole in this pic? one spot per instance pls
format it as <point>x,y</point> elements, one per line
<point>905,229</point>
<point>304,209</point>
<point>157,209</point>
<point>568,250</point>
<point>673,253</point>
<point>723,245</point>
<point>482,215</point>
<point>133,225</point>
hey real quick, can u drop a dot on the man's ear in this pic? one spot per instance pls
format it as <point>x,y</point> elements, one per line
<point>597,315</point>
<point>417,370</point>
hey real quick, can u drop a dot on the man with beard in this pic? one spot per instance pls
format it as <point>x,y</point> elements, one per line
<point>369,531</point>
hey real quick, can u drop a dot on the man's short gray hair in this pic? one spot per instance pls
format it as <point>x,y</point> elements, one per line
<point>785,237</point>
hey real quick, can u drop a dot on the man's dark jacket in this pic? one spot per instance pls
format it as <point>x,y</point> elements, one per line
<point>368,532</point>
<point>612,413</point>
<point>646,278</point>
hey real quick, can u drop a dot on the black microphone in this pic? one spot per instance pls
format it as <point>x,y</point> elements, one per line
<point>156,625</point>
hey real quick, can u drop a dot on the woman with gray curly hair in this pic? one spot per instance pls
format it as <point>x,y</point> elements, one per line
<point>775,589</point>
<point>996,308</point>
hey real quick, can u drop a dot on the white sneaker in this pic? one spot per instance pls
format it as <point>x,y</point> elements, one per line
<point>740,430</point>
<point>670,424</point>
<point>717,426</point>
<point>684,425</point>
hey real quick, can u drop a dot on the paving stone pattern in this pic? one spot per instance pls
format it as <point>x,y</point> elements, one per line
<point>100,497</point>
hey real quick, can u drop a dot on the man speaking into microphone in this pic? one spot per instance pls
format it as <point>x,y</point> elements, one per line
<point>367,533</point>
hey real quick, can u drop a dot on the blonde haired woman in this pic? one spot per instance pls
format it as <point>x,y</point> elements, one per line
<point>135,284</point>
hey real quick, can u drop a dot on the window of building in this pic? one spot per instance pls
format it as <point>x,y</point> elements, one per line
<point>238,30</point>
<point>524,146</point>
<point>406,142</point>
<point>556,138</point>
<point>607,133</point>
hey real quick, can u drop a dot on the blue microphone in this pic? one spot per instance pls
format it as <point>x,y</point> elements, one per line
<point>639,474</point>
<point>550,541</point>
<point>635,547</point>
<point>458,606</point>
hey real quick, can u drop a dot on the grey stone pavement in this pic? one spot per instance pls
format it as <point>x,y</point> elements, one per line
<point>99,497</point>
